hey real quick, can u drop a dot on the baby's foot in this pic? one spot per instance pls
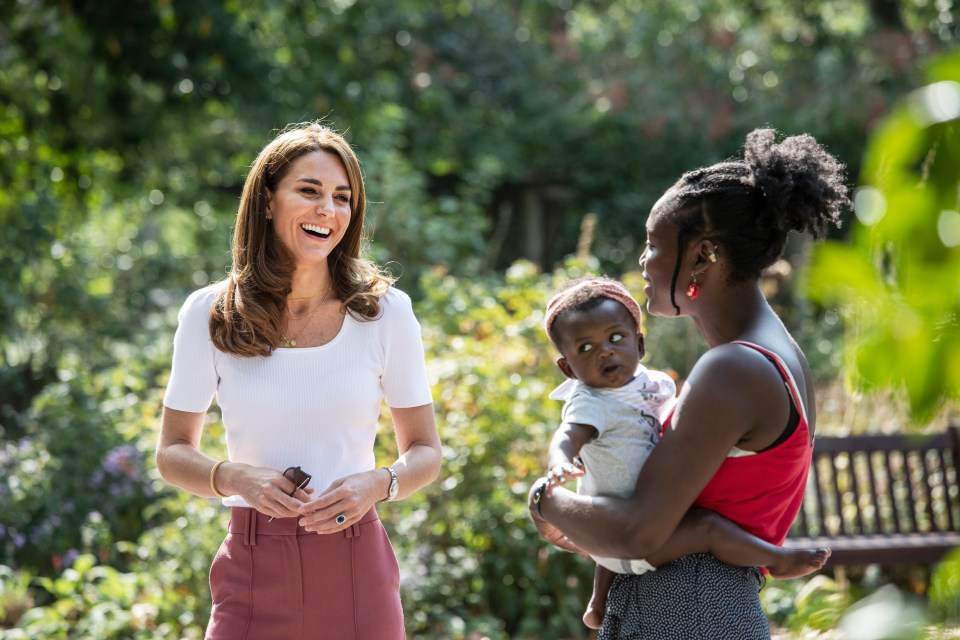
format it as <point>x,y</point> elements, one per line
<point>794,563</point>
<point>593,616</point>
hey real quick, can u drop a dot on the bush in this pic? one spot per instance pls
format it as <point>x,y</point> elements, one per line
<point>472,560</point>
<point>73,483</point>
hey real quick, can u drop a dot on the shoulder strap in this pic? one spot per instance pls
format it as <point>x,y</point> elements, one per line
<point>784,373</point>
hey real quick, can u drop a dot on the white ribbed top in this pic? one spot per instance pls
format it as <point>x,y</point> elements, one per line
<point>316,407</point>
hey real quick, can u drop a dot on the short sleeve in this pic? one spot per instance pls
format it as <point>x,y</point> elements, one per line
<point>661,394</point>
<point>404,379</point>
<point>585,408</point>
<point>193,376</point>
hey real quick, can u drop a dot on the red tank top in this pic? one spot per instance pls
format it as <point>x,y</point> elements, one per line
<point>763,492</point>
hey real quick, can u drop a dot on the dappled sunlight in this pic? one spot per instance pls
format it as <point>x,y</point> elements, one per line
<point>506,146</point>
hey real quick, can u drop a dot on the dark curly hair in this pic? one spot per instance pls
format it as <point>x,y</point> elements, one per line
<point>747,207</point>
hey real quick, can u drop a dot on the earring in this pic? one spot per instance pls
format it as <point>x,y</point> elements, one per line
<point>693,289</point>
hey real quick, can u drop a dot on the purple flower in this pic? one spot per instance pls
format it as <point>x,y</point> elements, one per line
<point>123,460</point>
<point>70,557</point>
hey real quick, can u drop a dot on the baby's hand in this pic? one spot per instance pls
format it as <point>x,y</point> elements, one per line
<point>559,474</point>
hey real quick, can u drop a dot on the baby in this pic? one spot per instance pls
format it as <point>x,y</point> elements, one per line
<point>611,421</point>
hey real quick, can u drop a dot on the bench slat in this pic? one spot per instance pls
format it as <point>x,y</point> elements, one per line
<point>891,491</point>
<point>835,483</point>
<point>855,486</point>
<point>928,490</point>
<point>873,491</point>
<point>884,442</point>
<point>886,550</point>
<point>945,470</point>
<point>914,507</point>
<point>818,493</point>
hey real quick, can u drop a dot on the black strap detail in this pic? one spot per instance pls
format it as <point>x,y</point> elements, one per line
<point>794,420</point>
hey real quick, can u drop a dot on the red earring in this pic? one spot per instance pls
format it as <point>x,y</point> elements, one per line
<point>693,289</point>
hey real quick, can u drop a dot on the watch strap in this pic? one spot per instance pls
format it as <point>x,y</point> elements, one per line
<point>394,485</point>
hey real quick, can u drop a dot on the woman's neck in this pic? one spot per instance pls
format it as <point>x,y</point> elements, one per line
<point>733,314</point>
<point>308,288</point>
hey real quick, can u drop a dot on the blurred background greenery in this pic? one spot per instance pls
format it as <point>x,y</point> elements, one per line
<point>507,145</point>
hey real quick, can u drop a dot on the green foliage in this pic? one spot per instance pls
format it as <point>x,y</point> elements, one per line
<point>99,601</point>
<point>125,133</point>
<point>71,485</point>
<point>817,603</point>
<point>945,588</point>
<point>156,587</point>
<point>15,595</point>
<point>898,277</point>
<point>480,566</point>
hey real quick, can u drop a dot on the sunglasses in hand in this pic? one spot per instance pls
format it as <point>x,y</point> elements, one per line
<point>298,477</point>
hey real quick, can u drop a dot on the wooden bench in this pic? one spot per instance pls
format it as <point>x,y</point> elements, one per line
<point>882,499</point>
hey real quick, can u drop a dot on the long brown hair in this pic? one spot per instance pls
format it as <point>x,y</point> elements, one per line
<point>247,316</point>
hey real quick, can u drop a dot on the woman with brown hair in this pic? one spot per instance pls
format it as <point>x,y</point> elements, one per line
<point>301,344</point>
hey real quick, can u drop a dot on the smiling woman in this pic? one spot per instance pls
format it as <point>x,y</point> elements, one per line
<point>298,237</point>
<point>301,344</point>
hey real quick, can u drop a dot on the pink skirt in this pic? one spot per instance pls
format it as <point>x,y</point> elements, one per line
<point>276,580</point>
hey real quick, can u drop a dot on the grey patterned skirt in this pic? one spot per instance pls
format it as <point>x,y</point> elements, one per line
<point>692,598</point>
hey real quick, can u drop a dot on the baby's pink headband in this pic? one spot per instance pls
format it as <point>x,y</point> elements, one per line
<point>606,288</point>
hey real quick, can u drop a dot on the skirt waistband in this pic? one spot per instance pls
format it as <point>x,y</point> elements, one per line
<point>251,523</point>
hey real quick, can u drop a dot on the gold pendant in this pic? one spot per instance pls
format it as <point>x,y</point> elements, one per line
<point>289,344</point>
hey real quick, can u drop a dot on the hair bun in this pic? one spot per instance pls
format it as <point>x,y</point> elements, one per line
<point>802,183</point>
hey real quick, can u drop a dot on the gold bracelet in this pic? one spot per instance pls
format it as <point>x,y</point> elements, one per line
<point>213,485</point>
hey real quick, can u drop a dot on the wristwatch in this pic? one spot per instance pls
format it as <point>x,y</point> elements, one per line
<point>394,485</point>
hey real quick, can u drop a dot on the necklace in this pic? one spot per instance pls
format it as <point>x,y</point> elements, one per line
<point>319,291</point>
<point>289,343</point>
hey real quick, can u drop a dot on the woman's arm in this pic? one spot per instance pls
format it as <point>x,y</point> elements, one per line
<point>179,459</point>
<point>182,464</point>
<point>725,400</point>
<point>419,447</point>
<point>418,465</point>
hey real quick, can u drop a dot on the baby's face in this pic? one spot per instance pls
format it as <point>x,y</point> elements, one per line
<point>600,346</point>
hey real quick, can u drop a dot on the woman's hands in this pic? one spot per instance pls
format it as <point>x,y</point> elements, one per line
<point>558,475</point>
<point>352,496</point>
<point>539,492</point>
<point>266,490</point>
<point>181,464</point>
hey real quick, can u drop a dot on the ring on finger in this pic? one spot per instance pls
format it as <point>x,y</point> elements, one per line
<point>340,519</point>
